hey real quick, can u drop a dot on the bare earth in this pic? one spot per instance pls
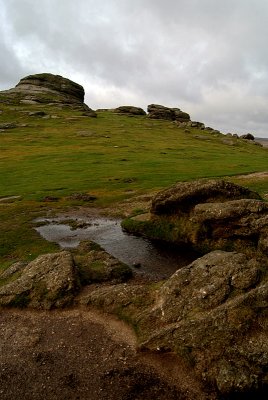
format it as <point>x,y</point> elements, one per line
<point>83,354</point>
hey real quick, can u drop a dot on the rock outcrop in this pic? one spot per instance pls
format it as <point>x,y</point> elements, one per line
<point>184,196</point>
<point>49,281</point>
<point>47,89</point>
<point>247,136</point>
<point>95,265</point>
<point>213,313</point>
<point>156,111</point>
<point>129,110</point>
<point>52,84</point>
<point>52,280</point>
<point>207,215</point>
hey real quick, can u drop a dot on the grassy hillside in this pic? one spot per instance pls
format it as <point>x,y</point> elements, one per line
<point>112,157</point>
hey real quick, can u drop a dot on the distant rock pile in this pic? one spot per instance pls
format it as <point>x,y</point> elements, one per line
<point>156,111</point>
<point>129,110</point>
<point>48,89</point>
<point>247,136</point>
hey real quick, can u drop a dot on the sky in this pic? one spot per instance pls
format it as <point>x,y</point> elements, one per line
<point>206,57</point>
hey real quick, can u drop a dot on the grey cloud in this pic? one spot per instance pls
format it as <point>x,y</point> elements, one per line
<point>207,57</point>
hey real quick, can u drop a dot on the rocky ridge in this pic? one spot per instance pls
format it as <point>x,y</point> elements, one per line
<point>47,88</point>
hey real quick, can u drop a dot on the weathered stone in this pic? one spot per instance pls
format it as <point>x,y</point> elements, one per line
<point>96,265</point>
<point>129,110</point>
<point>55,83</point>
<point>13,269</point>
<point>47,89</point>
<point>8,125</point>
<point>248,136</point>
<point>198,125</point>
<point>157,111</point>
<point>180,115</point>
<point>37,113</point>
<point>48,281</point>
<point>207,215</point>
<point>213,313</point>
<point>183,196</point>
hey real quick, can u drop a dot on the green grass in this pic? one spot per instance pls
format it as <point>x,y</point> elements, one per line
<point>112,157</point>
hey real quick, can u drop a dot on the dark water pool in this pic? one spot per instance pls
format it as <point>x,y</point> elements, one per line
<point>155,259</point>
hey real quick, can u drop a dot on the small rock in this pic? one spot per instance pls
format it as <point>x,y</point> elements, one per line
<point>37,113</point>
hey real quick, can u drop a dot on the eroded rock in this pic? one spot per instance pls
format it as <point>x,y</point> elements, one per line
<point>129,110</point>
<point>94,264</point>
<point>72,91</point>
<point>183,196</point>
<point>48,89</point>
<point>157,111</point>
<point>247,136</point>
<point>49,281</point>
<point>213,313</point>
<point>207,215</point>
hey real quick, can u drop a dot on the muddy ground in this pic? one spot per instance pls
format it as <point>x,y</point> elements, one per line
<point>83,354</point>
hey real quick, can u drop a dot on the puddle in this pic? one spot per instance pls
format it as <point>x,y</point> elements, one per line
<point>155,259</point>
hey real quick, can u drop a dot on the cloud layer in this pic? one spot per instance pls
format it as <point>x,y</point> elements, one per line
<point>208,58</point>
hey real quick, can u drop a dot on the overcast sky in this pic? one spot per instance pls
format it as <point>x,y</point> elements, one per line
<point>207,57</point>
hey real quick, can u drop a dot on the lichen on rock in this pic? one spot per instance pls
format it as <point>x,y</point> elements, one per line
<point>49,281</point>
<point>207,215</point>
<point>48,88</point>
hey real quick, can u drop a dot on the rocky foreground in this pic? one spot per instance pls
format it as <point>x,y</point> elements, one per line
<point>212,314</point>
<point>209,318</point>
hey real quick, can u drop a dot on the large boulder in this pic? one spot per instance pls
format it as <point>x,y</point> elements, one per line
<point>95,265</point>
<point>47,282</point>
<point>213,313</point>
<point>129,110</point>
<point>183,196</point>
<point>207,215</point>
<point>157,111</point>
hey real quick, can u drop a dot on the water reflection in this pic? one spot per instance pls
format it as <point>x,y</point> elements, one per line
<point>154,258</point>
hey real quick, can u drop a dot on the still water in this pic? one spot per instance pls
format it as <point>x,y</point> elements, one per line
<point>153,258</point>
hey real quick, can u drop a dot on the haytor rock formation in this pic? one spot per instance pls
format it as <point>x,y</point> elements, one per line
<point>47,89</point>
